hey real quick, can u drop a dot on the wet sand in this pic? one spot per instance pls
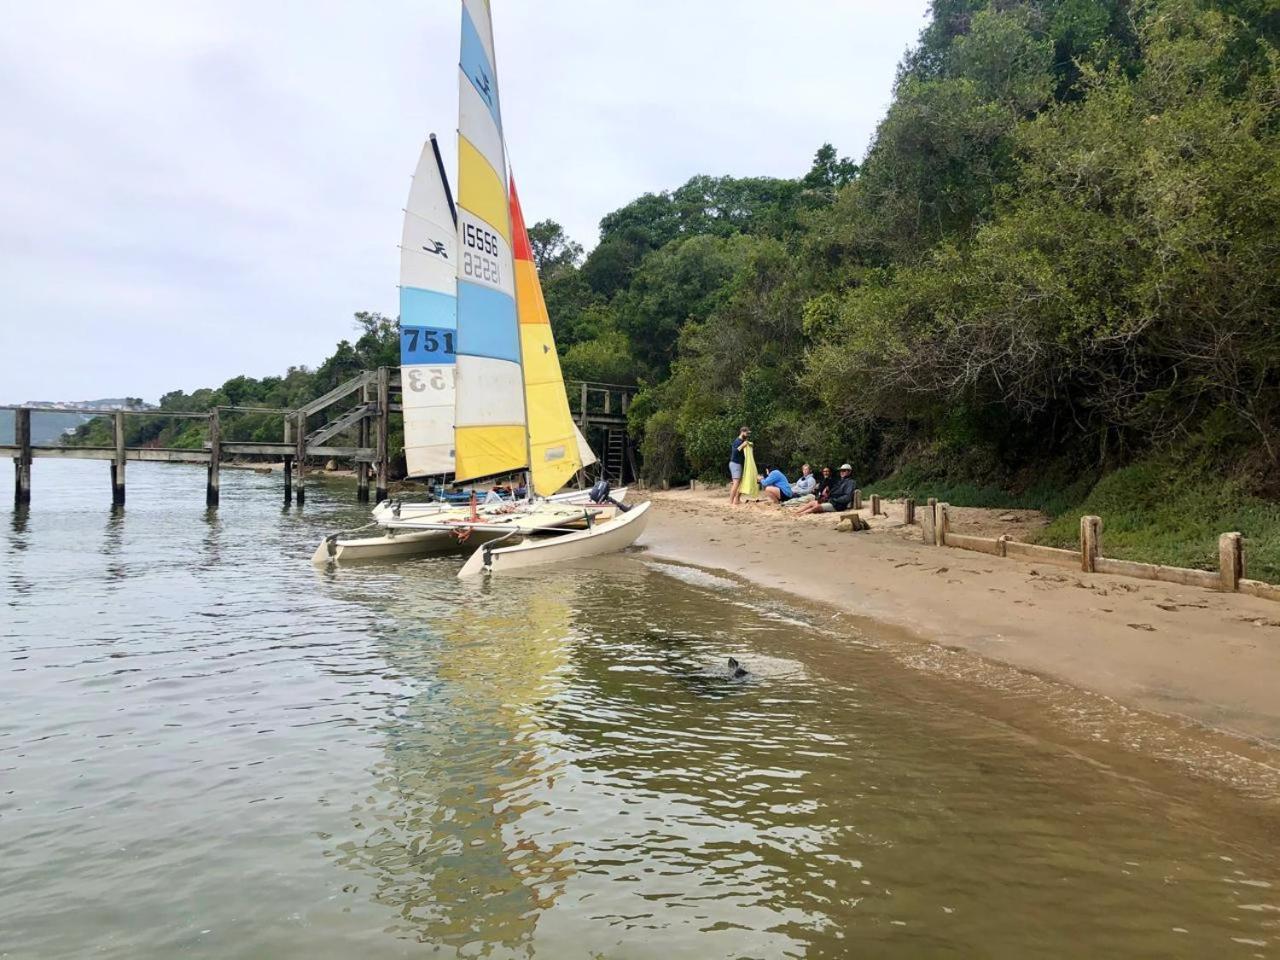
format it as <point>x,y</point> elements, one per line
<point>1210,658</point>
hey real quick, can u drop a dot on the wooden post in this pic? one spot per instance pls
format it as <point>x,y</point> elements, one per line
<point>583,409</point>
<point>22,462</point>
<point>875,505</point>
<point>117,465</point>
<point>300,456</point>
<point>1090,543</point>
<point>1230,561</point>
<point>384,417</point>
<point>215,458</point>
<point>288,463</point>
<point>857,499</point>
<point>941,524</point>
<point>909,511</point>
<point>362,466</point>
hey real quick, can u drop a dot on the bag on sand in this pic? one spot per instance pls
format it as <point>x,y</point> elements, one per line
<point>750,478</point>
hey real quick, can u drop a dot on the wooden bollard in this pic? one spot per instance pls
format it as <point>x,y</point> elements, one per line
<point>941,524</point>
<point>22,462</point>
<point>362,466</point>
<point>384,417</point>
<point>117,465</point>
<point>1090,543</point>
<point>875,505</point>
<point>1230,561</point>
<point>909,511</point>
<point>300,456</point>
<point>213,484</point>
<point>857,499</point>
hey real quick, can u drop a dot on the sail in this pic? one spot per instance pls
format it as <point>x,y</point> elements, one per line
<point>553,438</point>
<point>585,453</point>
<point>489,419</point>
<point>428,318</point>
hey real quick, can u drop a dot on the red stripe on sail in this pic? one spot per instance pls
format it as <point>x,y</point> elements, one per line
<point>520,248</point>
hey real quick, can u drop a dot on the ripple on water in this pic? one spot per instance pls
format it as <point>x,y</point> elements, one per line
<point>209,748</point>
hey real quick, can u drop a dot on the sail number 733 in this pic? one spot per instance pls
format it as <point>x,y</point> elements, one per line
<point>428,378</point>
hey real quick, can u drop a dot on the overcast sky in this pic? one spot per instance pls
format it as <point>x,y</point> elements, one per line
<point>194,190</point>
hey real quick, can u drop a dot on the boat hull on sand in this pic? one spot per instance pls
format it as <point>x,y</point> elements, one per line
<point>608,536</point>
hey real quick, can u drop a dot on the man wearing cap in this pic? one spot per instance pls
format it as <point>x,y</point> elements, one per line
<point>839,495</point>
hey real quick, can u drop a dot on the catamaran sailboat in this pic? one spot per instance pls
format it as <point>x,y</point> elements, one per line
<point>483,392</point>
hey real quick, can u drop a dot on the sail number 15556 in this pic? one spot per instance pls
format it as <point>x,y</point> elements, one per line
<point>482,265</point>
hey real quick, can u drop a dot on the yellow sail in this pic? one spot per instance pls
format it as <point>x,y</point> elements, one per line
<point>553,440</point>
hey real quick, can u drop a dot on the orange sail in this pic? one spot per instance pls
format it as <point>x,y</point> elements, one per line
<point>553,438</point>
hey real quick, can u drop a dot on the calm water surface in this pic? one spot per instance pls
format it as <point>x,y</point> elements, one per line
<point>209,749</point>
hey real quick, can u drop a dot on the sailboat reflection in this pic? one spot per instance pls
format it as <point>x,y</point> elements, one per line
<point>449,828</point>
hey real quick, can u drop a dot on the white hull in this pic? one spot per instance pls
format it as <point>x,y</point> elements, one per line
<point>442,537</point>
<point>608,536</point>
<point>384,513</point>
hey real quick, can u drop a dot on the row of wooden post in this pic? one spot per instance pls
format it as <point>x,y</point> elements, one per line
<point>1230,577</point>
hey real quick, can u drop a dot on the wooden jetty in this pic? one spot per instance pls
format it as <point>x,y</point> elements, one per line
<point>350,422</point>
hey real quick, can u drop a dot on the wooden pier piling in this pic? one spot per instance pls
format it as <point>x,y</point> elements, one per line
<point>384,415</point>
<point>117,464</point>
<point>212,486</point>
<point>22,462</point>
<point>909,511</point>
<point>362,441</point>
<point>288,462</point>
<point>300,457</point>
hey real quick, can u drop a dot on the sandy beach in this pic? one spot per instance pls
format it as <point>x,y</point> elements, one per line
<point>1210,658</point>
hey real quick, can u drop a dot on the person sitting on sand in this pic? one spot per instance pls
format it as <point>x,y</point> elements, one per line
<point>775,486</point>
<point>805,483</point>
<point>838,496</point>
<point>737,457</point>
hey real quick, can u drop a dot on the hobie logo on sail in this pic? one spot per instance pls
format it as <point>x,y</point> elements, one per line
<point>436,248</point>
<point>482,86</point>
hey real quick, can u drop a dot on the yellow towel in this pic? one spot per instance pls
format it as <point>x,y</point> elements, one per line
<point>750,479</point>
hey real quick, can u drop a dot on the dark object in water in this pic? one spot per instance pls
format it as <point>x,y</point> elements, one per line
<point>736,670</point>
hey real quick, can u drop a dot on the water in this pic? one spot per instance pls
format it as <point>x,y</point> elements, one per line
<point>208,749</point>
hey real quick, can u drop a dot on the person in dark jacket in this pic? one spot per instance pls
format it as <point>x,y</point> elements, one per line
<point>838,495</point>
<point>737,460</point>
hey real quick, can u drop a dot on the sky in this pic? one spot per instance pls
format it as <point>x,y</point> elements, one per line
<point>191,191</point>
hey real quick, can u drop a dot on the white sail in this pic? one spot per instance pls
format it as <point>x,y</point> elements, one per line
<point>428,319</point>
<point>585,453</point>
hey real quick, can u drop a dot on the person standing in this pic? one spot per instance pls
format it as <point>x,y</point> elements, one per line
<point>737,460</point>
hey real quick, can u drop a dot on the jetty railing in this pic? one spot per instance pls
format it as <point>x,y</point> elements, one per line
<point>351,422</point>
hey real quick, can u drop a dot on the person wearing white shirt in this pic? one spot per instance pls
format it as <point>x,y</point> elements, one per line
<point>806,483</point>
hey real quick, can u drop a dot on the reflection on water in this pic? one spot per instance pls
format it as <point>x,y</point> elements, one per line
<point>209,749</point>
